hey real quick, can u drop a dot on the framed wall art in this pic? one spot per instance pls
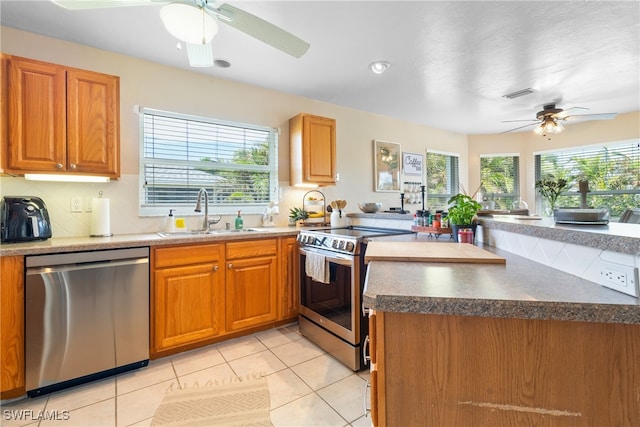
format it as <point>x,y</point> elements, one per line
<point>386,165</point>
<point>412,163</point>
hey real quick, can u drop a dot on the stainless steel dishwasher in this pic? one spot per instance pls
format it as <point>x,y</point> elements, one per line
<point>86,317</point>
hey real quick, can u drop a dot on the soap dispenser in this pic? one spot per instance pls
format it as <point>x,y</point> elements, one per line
<point>239,222</point>
<point>171,224</point>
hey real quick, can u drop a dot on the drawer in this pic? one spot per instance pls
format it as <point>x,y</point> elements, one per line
<point>252,248</point>
<point>187,254</point>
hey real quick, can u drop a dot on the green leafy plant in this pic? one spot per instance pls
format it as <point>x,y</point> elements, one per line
<point>462,209</point>
<point>298,214</point>
<point>550,189</point>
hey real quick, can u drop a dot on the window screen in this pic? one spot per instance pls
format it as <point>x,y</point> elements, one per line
<point>442,178</point>
<point>612,172</point>
<point>235,163</point>
<point>500,178</point>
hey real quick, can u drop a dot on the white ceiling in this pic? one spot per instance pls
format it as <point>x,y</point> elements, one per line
<point>452,62</point>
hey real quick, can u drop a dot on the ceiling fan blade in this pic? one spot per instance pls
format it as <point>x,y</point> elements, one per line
<point>101,4</point>
<point>520,127</point>
<point>200,55</point>
<point>523,120</point>
<point>261,30</point>
<point>600,116</point>
<point>565,113</point>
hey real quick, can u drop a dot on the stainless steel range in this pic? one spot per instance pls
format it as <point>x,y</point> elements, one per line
<point>332,273</point>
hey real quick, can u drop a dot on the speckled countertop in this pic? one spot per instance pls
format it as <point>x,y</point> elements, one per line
<point>616,237</point>
<point>519,289</point>
<point>75,244</point>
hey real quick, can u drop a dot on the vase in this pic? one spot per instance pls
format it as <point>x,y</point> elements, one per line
<point>455,228</point>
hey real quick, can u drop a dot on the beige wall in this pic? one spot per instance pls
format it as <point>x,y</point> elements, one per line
<point>527,144</point>
<point>152,85</point>
<point>148,84</point>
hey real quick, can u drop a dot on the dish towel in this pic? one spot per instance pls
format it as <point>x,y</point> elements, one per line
<point>316,267</point>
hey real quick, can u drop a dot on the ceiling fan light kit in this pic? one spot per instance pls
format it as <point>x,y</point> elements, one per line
<point>189,23</point>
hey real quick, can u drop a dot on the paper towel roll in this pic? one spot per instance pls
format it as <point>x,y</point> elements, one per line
<point>100,219</point>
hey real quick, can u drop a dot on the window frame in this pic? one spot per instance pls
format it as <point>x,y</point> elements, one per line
<point>515,196</point>
<point>592,192</point>
<point>453,179</point>
<point>187,208</point>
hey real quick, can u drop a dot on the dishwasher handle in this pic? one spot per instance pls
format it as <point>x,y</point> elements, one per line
<point>85,266</point>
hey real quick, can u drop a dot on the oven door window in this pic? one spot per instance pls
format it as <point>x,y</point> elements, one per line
<point>332,300</point>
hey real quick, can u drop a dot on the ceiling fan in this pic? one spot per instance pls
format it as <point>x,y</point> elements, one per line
<point>195,22</point>
<point>549,119</point>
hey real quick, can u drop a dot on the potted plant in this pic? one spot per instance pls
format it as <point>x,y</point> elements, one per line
<point>462,212</point>
<point>550,190</point>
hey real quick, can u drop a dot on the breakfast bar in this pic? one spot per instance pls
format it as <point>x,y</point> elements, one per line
<point>518,343</point>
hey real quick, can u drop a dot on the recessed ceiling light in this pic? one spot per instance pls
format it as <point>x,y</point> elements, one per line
<point>222,63</point>
<point>379,67</point>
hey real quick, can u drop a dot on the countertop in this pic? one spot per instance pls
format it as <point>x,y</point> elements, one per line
<point>519,289</point>
<point>615,236</point>
<point>75,244</point>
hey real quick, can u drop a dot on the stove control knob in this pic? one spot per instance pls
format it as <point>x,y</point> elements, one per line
<point>350,246</point>
<point>334,245</point>
<point>341,244</point>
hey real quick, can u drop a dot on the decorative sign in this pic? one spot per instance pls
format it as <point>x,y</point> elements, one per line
<point>386,165</point>
<point>412,163</point>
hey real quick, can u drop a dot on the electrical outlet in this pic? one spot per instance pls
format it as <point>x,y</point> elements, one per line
<point>76,204</point>
<point>620,277</point>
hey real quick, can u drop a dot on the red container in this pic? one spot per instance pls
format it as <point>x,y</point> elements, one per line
<point>465,235</point>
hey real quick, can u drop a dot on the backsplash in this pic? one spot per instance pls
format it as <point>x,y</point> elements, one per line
<point>123,196</point>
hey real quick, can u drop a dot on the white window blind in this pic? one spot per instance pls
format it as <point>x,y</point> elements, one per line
<point>443,179</point>
<point>612,171</point>
<point>500,180</point>
<point>235,163</point>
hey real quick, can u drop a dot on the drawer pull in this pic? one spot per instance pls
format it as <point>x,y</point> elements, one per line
<point>365,350</point>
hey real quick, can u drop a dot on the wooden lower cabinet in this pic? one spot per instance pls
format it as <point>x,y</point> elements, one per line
<point>438,370</point>
<point>251,283</point>
<point>289,277</point>
<point>12,327</point>
<point>188,295</point>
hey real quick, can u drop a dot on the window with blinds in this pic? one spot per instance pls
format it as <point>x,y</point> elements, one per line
<point>442,178</point>
<point>500,180</point>
<point>236,163</point>
<point>612,172</point>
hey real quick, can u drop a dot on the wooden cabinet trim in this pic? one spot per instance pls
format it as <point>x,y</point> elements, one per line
<point>251,248</point>
<point>12,327</point>
<point>187,254</point>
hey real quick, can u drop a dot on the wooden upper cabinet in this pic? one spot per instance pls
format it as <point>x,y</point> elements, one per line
<point>312,144</point>
<point>61,119</point>
<point>93,113</point>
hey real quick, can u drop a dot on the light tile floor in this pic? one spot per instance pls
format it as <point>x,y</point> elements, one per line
<point>307,386</point>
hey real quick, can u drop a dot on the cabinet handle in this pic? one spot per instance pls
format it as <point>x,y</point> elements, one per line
<point>73,165</point>
<point>59,165</point>
<point>215,268</point>
<point>365,350</point>
<point>230,265</point>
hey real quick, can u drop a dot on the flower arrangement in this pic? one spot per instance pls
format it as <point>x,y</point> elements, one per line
<point>550,189</point>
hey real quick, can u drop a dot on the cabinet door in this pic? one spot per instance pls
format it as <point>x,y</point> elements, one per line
<point>93,135</point>
<point>189,304</point>
<point>12,327</point>
<point>289,294</point>
<point>37,116</point>
<point>251,292</point>
<point>319,148</point>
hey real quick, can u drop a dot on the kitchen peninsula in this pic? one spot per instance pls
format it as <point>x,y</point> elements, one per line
<point>514,344</point>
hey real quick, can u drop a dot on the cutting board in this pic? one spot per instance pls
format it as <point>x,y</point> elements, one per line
<point>430,252</point>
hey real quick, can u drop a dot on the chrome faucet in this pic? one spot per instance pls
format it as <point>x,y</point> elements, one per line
<point>205,221</point>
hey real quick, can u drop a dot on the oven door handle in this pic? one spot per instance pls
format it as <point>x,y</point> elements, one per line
<point>347,260</point>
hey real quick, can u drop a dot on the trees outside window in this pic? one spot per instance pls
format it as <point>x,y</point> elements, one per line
<point>612,172</point>
<point>500,180</point>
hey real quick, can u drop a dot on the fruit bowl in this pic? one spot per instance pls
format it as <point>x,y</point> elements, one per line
<point>369,207</point>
